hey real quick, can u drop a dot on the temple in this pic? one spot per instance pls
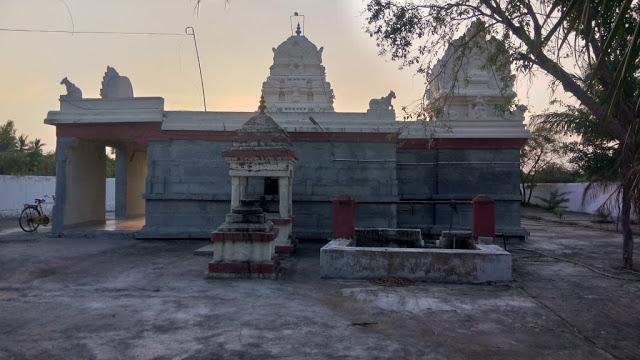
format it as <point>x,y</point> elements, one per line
<point>186,172</point>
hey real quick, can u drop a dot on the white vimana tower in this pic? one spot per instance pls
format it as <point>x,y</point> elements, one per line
<point>297,80</point>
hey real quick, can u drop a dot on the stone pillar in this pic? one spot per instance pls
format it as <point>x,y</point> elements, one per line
<point>235,192</point>
<point>284,197</point>
<point>62,155</point>
<point>243,187</point>
<point>121,182</point>
<point>136,180</point>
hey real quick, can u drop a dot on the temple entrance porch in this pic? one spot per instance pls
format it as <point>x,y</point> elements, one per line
<point>81,187</point>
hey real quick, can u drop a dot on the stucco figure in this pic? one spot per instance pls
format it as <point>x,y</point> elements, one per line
<point>383,103</point>
<point>73,92</point>
<point>115,86</point>
<point>480,109</point>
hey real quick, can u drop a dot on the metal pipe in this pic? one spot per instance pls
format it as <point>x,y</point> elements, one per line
<point>190,31</point>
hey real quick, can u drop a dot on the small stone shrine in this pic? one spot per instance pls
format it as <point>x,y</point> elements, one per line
<point>247,242</point>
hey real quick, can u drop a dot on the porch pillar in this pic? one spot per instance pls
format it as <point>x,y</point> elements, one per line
<point>283,196</point>
<point>121,182</point>
<point>235,192</point>
<point>62,156</point>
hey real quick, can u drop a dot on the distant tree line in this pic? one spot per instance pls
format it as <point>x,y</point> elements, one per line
<point>21,156</point>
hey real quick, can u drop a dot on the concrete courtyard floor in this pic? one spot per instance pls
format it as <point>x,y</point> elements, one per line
<point>110,298</point>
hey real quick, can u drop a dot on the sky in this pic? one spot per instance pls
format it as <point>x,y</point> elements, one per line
<point>234,41</point>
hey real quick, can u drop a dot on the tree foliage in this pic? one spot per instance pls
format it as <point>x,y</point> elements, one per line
<point>589,47</point>
<point>18,156</point>
<point>542,150</point>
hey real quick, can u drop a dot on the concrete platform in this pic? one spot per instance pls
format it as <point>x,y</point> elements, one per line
<point>341,259</point>
<point>109,298</point>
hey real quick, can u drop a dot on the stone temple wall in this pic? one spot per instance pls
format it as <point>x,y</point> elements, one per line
<point>188,186</point>
<point>443,174</point>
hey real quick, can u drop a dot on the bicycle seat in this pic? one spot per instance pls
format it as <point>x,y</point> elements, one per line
<point>39,201</point>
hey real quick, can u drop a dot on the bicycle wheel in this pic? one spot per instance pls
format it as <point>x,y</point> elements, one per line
<point>27,221</point>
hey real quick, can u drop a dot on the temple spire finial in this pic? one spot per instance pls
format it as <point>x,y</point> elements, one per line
<point>263,105</point>
<point>298,19</point>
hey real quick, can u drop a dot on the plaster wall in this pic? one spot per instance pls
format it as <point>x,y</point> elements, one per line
<point>15,191</point>
<point>84,200</point>
<point>578,202</point>
<point>136,181</point>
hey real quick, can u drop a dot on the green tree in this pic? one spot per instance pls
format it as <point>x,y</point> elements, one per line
<point>589,47</point>
<point>542,149</point>
<point>596,151</point>
<point>8,136</point>
<point>36,145</point>
<point>22,142</point>
<point>18,156</point>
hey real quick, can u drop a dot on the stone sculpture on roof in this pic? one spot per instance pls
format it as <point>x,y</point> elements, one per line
<point>383,103</point>
<point>115,86</point>
<point>73,92</point>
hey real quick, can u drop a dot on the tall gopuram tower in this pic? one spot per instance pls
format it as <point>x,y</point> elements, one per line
<point>297,81</point>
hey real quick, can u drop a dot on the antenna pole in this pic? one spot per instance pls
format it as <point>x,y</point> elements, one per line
<point>190,31</point>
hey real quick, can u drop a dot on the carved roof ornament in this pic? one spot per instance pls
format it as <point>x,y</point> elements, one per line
<point>115,86</point>
<point>262,107</point>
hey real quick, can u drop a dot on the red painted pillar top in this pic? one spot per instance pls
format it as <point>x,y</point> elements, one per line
<point>344,217</point>
<point>484,217</point>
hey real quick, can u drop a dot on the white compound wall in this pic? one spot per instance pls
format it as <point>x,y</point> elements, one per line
<point>15,191</point>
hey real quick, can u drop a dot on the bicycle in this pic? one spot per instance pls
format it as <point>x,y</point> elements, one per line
<point>32,216</point>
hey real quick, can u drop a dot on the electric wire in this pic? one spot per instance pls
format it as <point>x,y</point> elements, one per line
<point>189,32</point>
<point>53,31</point>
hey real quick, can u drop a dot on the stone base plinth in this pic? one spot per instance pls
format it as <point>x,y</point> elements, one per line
<point>244,270</point>
<point>242,247</point>
<point>341,259</point>
<point>284,245</point>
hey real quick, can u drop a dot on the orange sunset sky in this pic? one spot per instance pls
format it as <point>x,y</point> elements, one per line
<point>235,42</point>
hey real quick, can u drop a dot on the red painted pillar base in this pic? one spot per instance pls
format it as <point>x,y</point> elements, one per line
<point>232,254</point>
<point>344,217</point>
<point>285,250</point>
<point>483,217</point>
